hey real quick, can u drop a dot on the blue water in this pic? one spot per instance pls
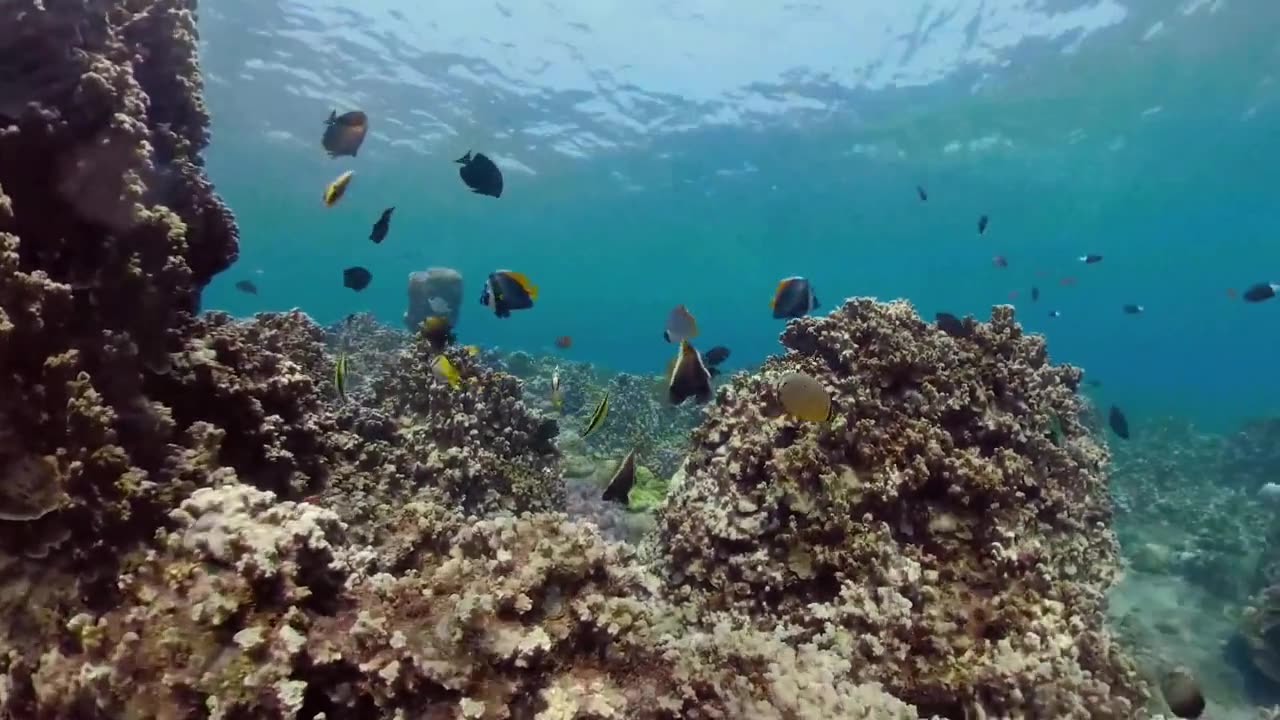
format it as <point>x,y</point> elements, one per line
<point>696,152</point>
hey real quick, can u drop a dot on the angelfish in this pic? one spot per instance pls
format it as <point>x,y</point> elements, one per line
<point>689,377</point>
<point>506,290</point>
<point>619,488</point>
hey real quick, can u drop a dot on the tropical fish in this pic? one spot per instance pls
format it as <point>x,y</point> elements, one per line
<point>340,376</point>
<point>716,355</point>
<point>803,397</point>
<point>1035,294</point>
<point>564,342</point>
<point>334,191</point>
<point>689,377</point>
<point>1055,313</point>
<point>356,278</point>
<point>921,193</point>
<point>247,286</point>
<point>382,226</point>
<point>983,221</point>
<point>1090,259</point>
<point>619,488</point>
<point>437,331</point>
<point>439,305</point>
<point>1182,693</point>
<point>1000,261</point>
<point>480,174</point>
<point>1260,292</point>
<point>793,298</point>
<point>556,398</point>
<point>344,133</point>
<point>506,291</point>
<point>1118,422</point>
<point>952,325</point>
<point>472,350</point>
<point>680,325</point>
<point>597,416</point>
<point>1131,309</point>
<point>445,371</point>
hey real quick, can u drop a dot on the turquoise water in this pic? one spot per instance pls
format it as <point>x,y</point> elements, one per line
<point>658,153</point>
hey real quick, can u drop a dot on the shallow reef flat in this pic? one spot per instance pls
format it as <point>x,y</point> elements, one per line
<point>193,524</point>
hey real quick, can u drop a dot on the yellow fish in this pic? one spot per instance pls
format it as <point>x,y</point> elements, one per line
<point>472,350</point>
<point>802,396</point>
<point>597,416</point>
<point>340,376</point>
<point>443,369</point>
<point>334,190</point>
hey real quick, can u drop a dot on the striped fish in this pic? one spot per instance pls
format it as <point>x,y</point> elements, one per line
<point>597,416</point>
<point>340,376</point>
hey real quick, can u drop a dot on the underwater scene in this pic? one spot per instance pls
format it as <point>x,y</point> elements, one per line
<point>592,360</point>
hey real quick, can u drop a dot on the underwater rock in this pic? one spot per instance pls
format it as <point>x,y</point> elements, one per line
<point>434,291</point>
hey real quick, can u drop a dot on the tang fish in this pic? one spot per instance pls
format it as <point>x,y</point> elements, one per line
<point>1035,294</point>
<point>713,357</point>
<point>247,286</point>
<point>689,377</point>
<point>334,191</point>
<point>437,331</point>
<point>340,376</point>
<point>952,325</point>
<point>921,193</point>
<point>793,298</point>
<point>344,133</point>
<point>680,325</point>
<point>564,342</point>
<point>1131,309</point>
<point>597,416</point>
<point>382,226</point>
<point>1260,292</point>
<point>356,278</point>
<point>444,370</point>
<point>619,488</point>
<point>802,396</point>
<point>480,174</point>
<point>1118,422</point>
<point>556,398</point>
<point>505,291</point>
<point>983,221</point>
<point>1090,259</point>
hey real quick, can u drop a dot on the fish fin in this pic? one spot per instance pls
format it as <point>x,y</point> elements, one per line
<point>712,370</point>
<point>773,301</point>
<point>464,159</point>
<point>333,117</point>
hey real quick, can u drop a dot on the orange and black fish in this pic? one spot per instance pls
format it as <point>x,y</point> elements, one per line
<point>506,290</point>
<point>793,298</point>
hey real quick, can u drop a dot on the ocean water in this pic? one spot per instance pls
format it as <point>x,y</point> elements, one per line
<point>696,152</point>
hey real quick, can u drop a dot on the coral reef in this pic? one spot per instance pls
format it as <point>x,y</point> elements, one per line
<point>935,535</point>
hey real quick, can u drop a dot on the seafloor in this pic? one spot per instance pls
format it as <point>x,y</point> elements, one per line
<point>194,525</point>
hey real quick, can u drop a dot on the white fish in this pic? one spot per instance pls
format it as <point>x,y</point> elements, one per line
<point>439,306</point>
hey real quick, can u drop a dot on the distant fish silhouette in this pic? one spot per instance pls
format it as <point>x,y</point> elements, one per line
<point>480,174</point>
<point>382,226</point>
<point>1118,422</point>
<point>247,286</point>
<point>982,224</point>
<point>921,193</point>
<point>356,278</point>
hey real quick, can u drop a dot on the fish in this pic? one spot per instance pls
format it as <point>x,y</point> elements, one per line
<point>505,291</point>
<point>1035,294</point>
<point>247,286</point>
<point>983,221</point>
<point>1055,430</point>
<point>1182,693</point>
<point>597,416</point>
<point>344,133</point>
<point>921,193</point>
<point>382,226</point>
<point>952,325</point>
<point>1231,292</point>
<point>340,376</point>
<point>716,355</point>
<point>480,174</point>
<point>680,325</point>
<point>1131,309</point>
<point>803,397</point>
<point>437,331</point>
<point>793,298</point>
<point>564,342</point>
<point>334,191</point>
<point>356,278</point>
<point>689,377</point>
<point>439,306</point>
<point>444,370</point>
<point>472,350</point>
<point>556,398</point>
<point>1118,422</point>
<point>1260,292</point>
<point>1000,261</point>
<point>1055,313</point>
<point>1090,259</point>
<point>619,488</point>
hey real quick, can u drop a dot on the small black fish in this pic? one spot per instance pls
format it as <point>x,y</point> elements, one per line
<point>619,488</point>
<point>1035,294</point>
<point>356,278</point>
<point>793,298</point>
<point>480,174</point>
<point>1090,259</point>
<point>247,286</point>
<point>689,377</point>
<point>952,325</point>
<point>716,355</point>
<point>344,133</point>
<point>1260,292</point>
<point>1131,309</point>
<point>920,191</point>
<point>381,227</point>
<point>1118,422</point>
<point>982,224</point>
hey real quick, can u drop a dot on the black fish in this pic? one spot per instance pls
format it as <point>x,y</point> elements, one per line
<point>506,290</point>
<point>793,298</point>
<point>1260,292</point>
<point>356,278</point>
<point>344,133</point>
<point>1090,259</point>
<point>1131,309</point>
<point>1035,294</point>
<point>924,196</point>
<point>1119,424</point>
<point>480,174</point>
<point>247,286</point>
<point>381,227</point>
<point>1055,313</point>
<point>619,488</point>
<point>982,224</point>
<point>716,355</point>
<point>952,325</point>
<point>689,377</point>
